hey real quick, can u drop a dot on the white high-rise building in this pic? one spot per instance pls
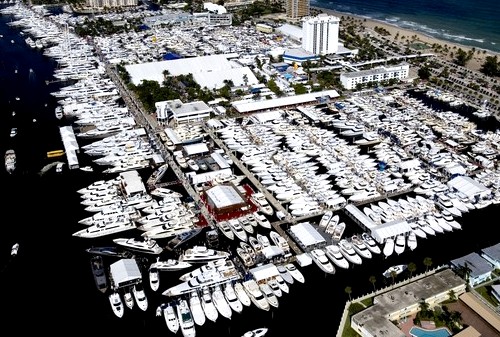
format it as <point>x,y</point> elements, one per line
<point>321,34</point>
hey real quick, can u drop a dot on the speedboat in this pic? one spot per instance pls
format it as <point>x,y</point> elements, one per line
<point>333,253</point>
<point>10,160</point>
<point>259,332</point>
<point>319,257</point>
<point>225,229</point>
<point>14,249</point>
<point>411,240</point>
<point>347,249</point>
<point>170,315</point>
<point>116,304</point>
<point>237,229</point>
<point>394,270</point>
<point>285,274</point>
<point>202,254</point>
<point>294,272</point>
<point>128,298</point>
<point>185,317</point>
<point>148,246</point>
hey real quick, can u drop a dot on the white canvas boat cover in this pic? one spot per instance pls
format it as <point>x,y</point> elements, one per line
<point>306,234</point>
<point>469,187</point>
<point>360,216</point>
<point>271,251</point>
<point>264,272</point>
<point>390,229</point>
<point>224,196</point>
<point>125,272</point>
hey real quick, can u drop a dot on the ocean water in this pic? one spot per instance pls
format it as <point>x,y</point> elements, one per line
<point>49,286</point>
<point>467,22</point>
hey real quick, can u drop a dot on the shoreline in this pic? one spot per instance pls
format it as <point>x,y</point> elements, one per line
<point>370,24</point>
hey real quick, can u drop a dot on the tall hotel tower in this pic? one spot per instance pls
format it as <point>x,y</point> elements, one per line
<point>320,34</point>
<point>297,9</point>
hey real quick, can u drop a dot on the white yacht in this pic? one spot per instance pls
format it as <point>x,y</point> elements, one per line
<point>140,296</point>
<point>262,220</point>
<point>333,253</point>
<point>347,249</point>
<point>360,247</point>
<point>202,254</point>
<point>170,265</point>
<point>237,229</point>
<point>185,317</point>
<point>128,298</point>
<point>269,294</point>
<point>170,315</point>
<point>294,272</point>
<point>225,229</point>
<point>208,305</point>
<point>256,296</point>
<point>264,241</point>
<point>411,240</point>
<point>400,244</point>
<point>148,246</point>
<point>196,308</point>
<point>259,199</point>
<point>241,294</point>
<point>285,274</point>
<point>219,265</point>
<point>116,304</point>
<point>388,247</point>
<point>105,228</point>
<point>275,287</point>
<point>231,297</point>
<point>319,257</point>
<point>370,243</point>
<point>282,284</point>
<point>220,302</point>
<point>154,278</point>
<point>279,240</point>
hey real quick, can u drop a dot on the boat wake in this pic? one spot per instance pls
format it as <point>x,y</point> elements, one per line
<point>47,167</point>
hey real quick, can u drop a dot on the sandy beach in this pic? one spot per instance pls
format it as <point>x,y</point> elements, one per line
<point>445,51</point>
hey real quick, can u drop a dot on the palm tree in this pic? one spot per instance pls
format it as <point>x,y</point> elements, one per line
<point>411,268</point>
<point>348,291</point>
<point>393,275</point>
<point>373,279</point>
<point>427,263</point>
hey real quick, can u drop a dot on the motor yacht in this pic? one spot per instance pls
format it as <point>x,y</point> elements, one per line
<point>256,296</point>
<point>220,302</point>
<point>170,316</point>
<point>185,318</point>
<point>370,243</point>
<point>202,254</point>
<point>347,249</point>
<point>388,247</point>
<point>140,296</point>
<point>154,278</point>
<point>241,293</point>
<point>231,297</point>
<point>333,253</point>
<point>411,240</point>
<point>294,272</point>
<point>147,246</point>
<point>208,305</point>
<point>269,294</point>
<point>196,308</point>
<point>285,274</point>
<point>400,244</point>
<point>116,304</point>
<point>319,257</point>
<point>360,247</point>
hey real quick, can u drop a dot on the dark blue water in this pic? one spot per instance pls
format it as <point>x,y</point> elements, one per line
<point>468,22</point>
<point>49,286</point>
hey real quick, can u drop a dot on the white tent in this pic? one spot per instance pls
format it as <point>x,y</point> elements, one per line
<point>125,272</point>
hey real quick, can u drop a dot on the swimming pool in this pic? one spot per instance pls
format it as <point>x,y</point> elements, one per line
<point>420,332</point>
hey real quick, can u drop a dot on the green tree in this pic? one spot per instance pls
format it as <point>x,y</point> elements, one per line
<point>372,280</point>
<point>393,275</point>
<point>411,268</point>
<point>491,66</point>
<point>424,73</point>
<point>427,263</point>
<point>348,291</point>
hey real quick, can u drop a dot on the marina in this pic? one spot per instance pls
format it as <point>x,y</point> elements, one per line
<point>262,200</point>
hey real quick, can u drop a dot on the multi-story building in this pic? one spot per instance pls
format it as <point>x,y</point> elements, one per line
<point>320,34</point>
<point>110,3</point>
<point>297,9</point>
<point>377,75</point>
